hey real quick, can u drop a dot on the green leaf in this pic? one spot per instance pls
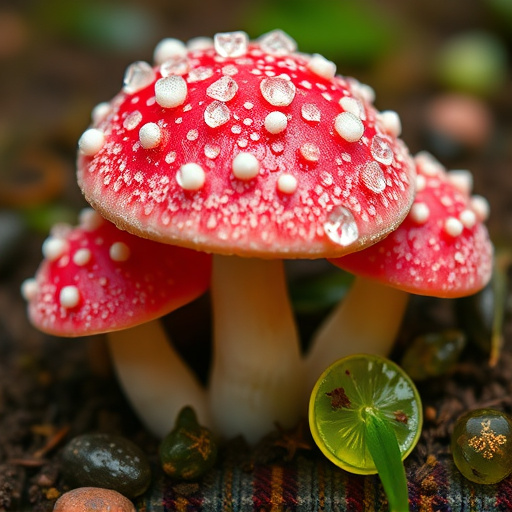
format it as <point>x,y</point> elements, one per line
<point>383,447</point>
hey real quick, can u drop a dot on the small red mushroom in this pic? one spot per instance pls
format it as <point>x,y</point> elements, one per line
<point>97,279</point>
<point>256,153</point>
<point>442,249</point>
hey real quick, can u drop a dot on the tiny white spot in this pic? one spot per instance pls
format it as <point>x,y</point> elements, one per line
<point>82,257</point>
<point>245,166</point>
<point>453,226</point>
<point>169,158</point>
<point>421,182</point>
<point>348,126</point>
<point>319,65</point>
<point>91,141</point>
<point>481,207</point>
<point>287,183</point>
<point>468,218</point>
<point>248,105</point>
<point>69,297</point>
<point>420,213</point>
<point>390,122</point>
<point>230,70</point>
<point>276,122</point>
<point>150,135</point>
<point>29,289</point>
<point>171,91</point>
<point>100,112</point>
<point>191,176</point>
<point>119,251</point>
<point>461,179</point>
<point>168,48</point>
<point>53,248</point>
<point>192,135</point>
<point>199,43</point>
<point>349,104</point>
<point>132,120</point>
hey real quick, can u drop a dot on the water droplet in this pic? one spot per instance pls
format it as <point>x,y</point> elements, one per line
<point>137,76</point>
<point>199,74</point>
<point>381,151</point>
<point>132,120</point>
<point>231,44</point>
<point>224,89</point>
<point>216,114</point>
<point>175,66</point>
<point>373,177</point>
<point>278,91</point>
<point>310,152</point>
<point>211,151</point>
<point>310,112</point>
<point>277,43</point>
<point>341,227</point>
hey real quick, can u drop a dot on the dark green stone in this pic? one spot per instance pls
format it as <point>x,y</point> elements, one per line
<point>107,461</point>
<point>433,354</point>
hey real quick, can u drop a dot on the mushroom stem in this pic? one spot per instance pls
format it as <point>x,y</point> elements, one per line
<point>367,320</point>
<point>257,372</point>
<point>155,379</point>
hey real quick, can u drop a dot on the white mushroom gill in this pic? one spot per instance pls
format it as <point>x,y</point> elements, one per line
<point>257,373</point>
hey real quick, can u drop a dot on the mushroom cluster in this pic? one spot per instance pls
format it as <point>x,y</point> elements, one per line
<point>248,153</point>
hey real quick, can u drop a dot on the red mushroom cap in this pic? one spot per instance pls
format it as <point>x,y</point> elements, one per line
<point>247,148</point>
<point>442,248</point>
<point>96,278</point>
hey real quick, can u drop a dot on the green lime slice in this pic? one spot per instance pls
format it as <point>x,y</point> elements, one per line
<point>347,398</point>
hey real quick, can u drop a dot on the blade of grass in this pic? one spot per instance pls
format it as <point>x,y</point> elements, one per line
<point>384,449</point>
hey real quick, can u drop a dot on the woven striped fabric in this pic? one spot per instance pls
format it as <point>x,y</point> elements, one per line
<point>310,485</point>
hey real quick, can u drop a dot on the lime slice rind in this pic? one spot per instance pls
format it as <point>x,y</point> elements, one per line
<point>367,381</point>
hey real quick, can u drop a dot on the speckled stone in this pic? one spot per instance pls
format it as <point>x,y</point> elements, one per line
<point>109,461</point>
<point>88,499</point>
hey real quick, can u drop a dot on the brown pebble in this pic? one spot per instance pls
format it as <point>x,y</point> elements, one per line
<point>430,414</point>
<point>86,499</point>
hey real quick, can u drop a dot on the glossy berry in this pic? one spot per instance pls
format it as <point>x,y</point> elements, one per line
<point>482,446</point>
<point>189,450</point>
